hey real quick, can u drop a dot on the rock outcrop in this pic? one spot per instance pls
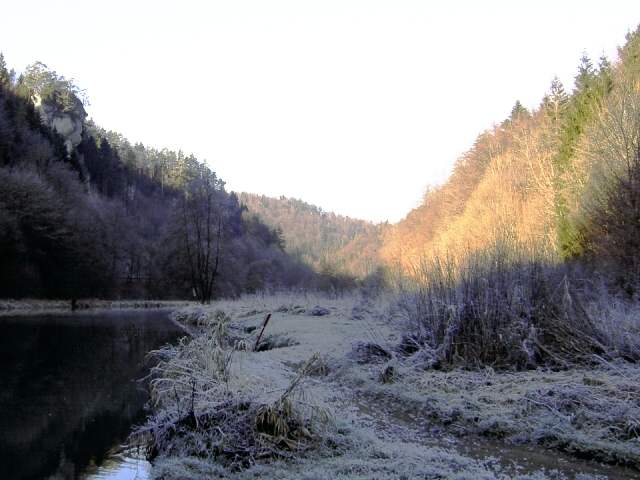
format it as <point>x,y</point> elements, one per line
<point>68,122</point>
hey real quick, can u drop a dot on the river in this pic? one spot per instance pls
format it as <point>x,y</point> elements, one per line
<point>71,390</point>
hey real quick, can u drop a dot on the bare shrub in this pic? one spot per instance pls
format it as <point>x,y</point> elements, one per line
<point>506,307</point>
<point>369,352</point>
<point>619,322</point>
<point>201,409</point>
<point>607,182</point>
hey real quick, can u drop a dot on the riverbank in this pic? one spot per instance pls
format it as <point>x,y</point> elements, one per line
<point>38,306</point>
<point>387,416</point>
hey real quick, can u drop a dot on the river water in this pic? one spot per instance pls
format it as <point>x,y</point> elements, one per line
<point>71,390</point>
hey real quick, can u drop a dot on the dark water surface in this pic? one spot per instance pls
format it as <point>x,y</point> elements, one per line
<point>70,388</point>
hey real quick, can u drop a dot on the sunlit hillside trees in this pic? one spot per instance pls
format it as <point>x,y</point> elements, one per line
<point>560,179</point>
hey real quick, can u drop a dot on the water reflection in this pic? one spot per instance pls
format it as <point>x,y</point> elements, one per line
<point>128,465</point>
<point>69,389</point>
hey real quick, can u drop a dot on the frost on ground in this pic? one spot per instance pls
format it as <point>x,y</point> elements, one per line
<point>592,413</point>
<point>329,397</point>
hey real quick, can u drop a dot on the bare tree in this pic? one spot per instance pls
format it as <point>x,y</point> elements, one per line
<point>202,232</point>
<point>611,156</point>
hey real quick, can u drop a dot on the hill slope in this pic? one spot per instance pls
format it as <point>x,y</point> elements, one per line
<point>562,179</point>
<point>83,212</point>
<point>324,240</point>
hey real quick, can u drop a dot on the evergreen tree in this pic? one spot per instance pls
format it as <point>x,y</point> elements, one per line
<point>586,73</point>
<point>557,99</point>
<point>629,54</point>
<point>518,111</point>
<point>557,93</point>
<point>5,75</point>
<point>591,88</point>
<point>604,65</point>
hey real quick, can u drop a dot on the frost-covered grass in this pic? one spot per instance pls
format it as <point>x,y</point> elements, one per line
<point>370,458</point>
<point>564,348</point>
<point>507,309</point>
<point>590,412</point>
<point>250,305</point>
<point>509,313</point>
<point>618,321</point>
<point>206,404</point>
<point>387,417</point>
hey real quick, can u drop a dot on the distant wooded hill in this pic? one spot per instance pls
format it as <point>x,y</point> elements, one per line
<point>330,243</point>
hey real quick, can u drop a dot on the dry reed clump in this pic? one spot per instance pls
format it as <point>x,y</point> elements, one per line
<point>503,308</point>
<point>287,424</point>
<point>369,352</point>
<point>198,317</point>
<point>200,408</point>
<point>619,322</point>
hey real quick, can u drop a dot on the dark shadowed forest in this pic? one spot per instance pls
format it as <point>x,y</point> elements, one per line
<point>84,213</point>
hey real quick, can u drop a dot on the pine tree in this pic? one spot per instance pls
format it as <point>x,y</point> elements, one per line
<point>558,99</point>
<point>5,75</point>
<point>604,65</point>
<point>591,87</point>
<point>518,111</point>
<point>629,54</point>
<point>586,73</point>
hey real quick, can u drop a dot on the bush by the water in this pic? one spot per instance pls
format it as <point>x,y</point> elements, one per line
<point>201,407</point>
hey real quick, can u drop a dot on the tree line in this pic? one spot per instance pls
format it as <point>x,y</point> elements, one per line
<point>563,178</point>
<point>98,216</point>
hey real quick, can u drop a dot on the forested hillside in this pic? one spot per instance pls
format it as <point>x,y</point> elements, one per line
<point>559,179</point>
<point>83,212</point>
<point>563,179</point>
<point>328,242</point>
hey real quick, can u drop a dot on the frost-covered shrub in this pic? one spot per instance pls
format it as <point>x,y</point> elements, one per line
<point>202,408</point>
<point>502,307</point>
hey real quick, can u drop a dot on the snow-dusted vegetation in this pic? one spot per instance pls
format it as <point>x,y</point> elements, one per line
<point>343,397</point>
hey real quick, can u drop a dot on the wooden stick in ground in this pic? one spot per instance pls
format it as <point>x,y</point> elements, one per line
<point>264,325</point>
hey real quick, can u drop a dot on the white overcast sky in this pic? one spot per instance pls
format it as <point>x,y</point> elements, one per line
<point>355,106</point>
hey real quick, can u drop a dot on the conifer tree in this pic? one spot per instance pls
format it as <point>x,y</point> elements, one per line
<point>518,111</point>
<point>604,65</point>
<point>558,99</point>
<point>586,73</point>
<point>5,76</point>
